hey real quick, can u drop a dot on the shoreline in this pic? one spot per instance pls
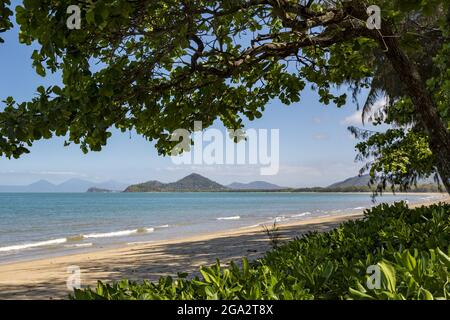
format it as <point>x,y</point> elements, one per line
<point>72,247</point>
<point>76,243</point>
<point>45,278</point>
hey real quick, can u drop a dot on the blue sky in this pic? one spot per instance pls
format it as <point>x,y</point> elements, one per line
<point>315,147</point>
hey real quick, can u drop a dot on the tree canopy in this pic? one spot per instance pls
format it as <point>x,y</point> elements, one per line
<point>402,153</point>
<point>156,66</point>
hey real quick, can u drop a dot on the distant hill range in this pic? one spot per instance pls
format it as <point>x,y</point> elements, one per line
<point>72,185</point>
<point>358,181</point>
<point>255,185</point>
<point>197,183</point>
<point>191,183</point>
<point>361,184</point>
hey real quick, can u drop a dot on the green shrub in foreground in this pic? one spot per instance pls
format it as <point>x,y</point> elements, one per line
<point>409,246</point>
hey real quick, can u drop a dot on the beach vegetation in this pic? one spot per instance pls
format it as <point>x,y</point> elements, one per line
<point>273,233</point>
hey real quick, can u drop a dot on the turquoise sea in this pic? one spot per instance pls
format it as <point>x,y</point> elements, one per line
<point>45,224</point>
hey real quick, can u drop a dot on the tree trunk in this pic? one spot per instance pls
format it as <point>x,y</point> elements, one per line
<point>439,136</point>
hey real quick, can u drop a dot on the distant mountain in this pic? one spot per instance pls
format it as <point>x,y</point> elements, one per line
<point>195,181</point>
<point>192,182</point>
<point>255,185</point>
<point>38,186</point>
<point>146,187</point>
<point>363,181</point>
<point>75,185</point>
<point>72,185</point>
<point>358,181</point>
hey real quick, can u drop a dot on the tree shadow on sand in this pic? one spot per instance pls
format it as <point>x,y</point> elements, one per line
<point>155,261</point>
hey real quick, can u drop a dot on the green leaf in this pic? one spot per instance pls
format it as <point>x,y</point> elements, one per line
<point>360,295</point>
<point>388,276</point>
<point>443,257</point>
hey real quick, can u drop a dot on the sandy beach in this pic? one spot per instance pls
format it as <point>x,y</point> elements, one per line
<point>46,278</point>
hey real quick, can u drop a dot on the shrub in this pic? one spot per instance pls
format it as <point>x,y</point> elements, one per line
<point>409,246</point>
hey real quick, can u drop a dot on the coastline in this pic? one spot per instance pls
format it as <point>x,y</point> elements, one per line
<point>45,278</point>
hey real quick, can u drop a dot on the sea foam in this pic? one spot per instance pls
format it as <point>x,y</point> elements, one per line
<point>229,218</point>
<point>299,215</point>
<point>75,238</point>
<point>33,245</point>
<point>118,233</point>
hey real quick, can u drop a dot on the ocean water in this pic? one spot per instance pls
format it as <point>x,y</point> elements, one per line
<point>46,224</point>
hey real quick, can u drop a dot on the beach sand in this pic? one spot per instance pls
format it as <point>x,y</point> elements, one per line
<point>46,278</point>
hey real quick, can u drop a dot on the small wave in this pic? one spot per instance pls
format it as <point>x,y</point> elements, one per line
<point>359,208</point>
<point>229,218</point>
<point>111,234</point>
<point>163,226</point>
<point>121,233</point>
<point>75,238</point>
<point>301,214</point>
<point>33,245</point>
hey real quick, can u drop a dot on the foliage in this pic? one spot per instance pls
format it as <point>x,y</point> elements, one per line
<point>400,156</point>
<point>421,276</point>
<point>411,247</point>
<point>157,63</point>
<point>401,159</point>
<point>5,13</point>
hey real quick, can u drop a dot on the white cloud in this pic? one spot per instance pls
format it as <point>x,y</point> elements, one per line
<point>355,119</point>
<point>320,136</point>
